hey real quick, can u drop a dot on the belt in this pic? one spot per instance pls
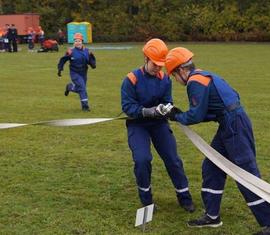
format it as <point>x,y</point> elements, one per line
<point>229,108</point>
<point>232,107</point>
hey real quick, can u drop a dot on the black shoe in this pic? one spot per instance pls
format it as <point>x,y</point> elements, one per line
<point>205,221</point>
<point>189,208</point>
<point>66,91</point>
<point>264,231</point>
<point>86,109</point>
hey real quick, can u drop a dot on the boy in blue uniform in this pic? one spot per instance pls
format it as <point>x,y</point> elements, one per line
<point>143,90</point>
<point>79,58</point>
<point>212,99</point>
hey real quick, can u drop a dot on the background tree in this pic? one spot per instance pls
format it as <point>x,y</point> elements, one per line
<point>139,20</point>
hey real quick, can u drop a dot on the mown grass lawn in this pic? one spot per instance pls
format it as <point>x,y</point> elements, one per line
<point>79,180</point>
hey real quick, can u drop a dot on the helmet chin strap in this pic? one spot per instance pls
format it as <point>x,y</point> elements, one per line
<point>146,64</point>
<point>181,77</point>
<point>146,67</point>
<point>184,81</point>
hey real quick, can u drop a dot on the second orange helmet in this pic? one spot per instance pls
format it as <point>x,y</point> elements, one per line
<point>176,57</point>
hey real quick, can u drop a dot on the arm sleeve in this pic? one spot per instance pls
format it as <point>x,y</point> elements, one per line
<point>92,60</point>
<point>129,102</point>
<point>62,61</point>
<point>198,104</point>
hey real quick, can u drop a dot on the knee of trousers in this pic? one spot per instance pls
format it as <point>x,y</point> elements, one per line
<point>82,91</point>
<point>142,164</point>
<point>83,95</point>
<point>142,158</point>
<point>174,162</point>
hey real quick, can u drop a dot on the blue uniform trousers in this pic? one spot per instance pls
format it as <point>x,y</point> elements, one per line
<point>78,85</point>
<point>140,136</point>
<point>234,140</point>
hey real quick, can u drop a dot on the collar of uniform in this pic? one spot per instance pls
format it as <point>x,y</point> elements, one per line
<point>159,75</point>
<point>192,72</point>
<point>79,48</point>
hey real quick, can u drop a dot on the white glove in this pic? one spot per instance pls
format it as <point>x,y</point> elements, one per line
<point>164,109</point>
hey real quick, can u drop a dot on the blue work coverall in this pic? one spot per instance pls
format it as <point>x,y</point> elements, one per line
<point>79,60</point>
<point>212,99</point>
<point>139,90</point>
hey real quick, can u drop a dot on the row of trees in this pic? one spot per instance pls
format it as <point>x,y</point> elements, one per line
<point>137,20</point>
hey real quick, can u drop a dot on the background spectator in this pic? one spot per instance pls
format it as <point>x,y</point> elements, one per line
<point>40,35</point>
<point>31,39</point>
<point>60,37</point>
<point>13,35</point>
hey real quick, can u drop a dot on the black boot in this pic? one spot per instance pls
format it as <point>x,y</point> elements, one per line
<point>187,205</point>
<point>67,90</point>
<point>189,208</point>
<point>86,108</point>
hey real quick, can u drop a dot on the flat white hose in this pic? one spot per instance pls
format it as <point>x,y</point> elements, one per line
<point>253,183</point>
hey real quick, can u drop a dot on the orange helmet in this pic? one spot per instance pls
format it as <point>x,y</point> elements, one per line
<point>156,50</point>
<point>176,57</point>
<point>78,36</point>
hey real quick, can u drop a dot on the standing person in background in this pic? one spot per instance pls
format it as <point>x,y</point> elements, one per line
<point>41,35</point>
<point>142,92</point>
<point>60,37</point>
<point>31,39</point>
<point>13,38</point>
<point>2,48</point>
<point>79,58</point>
<point>6,36</point>
<point>212,99</point>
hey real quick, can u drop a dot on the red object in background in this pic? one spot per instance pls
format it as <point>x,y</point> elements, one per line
<point>49,43</point>
<point>21,21</point>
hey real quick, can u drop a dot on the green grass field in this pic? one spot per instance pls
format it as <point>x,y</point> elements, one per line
<point>79,180</point>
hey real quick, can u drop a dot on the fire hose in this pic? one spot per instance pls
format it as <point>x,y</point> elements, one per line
<point>251,182</point>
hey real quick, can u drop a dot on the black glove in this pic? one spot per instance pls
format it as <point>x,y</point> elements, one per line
<point>151,112</point>
<point>92,60</point>
<point>171,115</point>
<point>59,73</point>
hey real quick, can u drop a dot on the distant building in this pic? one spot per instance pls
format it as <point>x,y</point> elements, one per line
<point>22,22</point>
